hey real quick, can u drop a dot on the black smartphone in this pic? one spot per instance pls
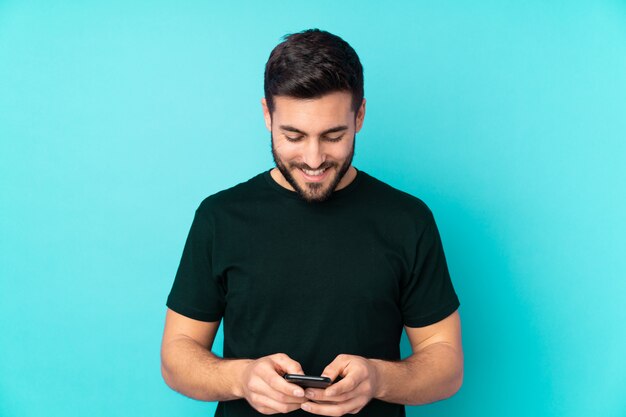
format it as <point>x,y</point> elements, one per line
<point>307,381</point>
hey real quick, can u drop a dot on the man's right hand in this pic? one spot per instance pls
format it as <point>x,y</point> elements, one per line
<point>265,388</point>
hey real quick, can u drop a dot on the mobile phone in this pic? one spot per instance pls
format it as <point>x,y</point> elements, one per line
<point>308,381</point>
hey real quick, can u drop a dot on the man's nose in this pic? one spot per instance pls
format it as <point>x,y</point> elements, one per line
<point>314,154</point>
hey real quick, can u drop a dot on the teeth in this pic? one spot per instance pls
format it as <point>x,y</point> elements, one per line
<point>314,173</point>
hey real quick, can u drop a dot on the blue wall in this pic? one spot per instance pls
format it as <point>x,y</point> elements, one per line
<point>507,118</point>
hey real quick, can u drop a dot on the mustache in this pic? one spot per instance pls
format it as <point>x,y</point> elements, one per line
<point>323,166</point>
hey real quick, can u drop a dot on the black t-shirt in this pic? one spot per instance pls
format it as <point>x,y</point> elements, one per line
<point>313,280</point>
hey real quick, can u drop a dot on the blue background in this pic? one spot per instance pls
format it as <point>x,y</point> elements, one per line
<point>507,118</point>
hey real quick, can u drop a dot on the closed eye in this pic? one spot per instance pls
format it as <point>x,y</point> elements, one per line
<point>337,139</point>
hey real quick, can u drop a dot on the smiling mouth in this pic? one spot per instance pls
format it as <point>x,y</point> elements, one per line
<point>314,175</point>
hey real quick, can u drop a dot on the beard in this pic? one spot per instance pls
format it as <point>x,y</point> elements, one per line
<point>314,192</point>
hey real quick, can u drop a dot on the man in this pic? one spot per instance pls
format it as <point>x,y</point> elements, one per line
<point>314,266</point>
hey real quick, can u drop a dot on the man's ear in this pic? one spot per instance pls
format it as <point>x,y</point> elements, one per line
<point>266,115</point>
<point>360,116</point>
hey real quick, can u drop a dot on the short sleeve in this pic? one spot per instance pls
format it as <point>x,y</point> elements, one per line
<point>428,295</point>
<point>196,293</point>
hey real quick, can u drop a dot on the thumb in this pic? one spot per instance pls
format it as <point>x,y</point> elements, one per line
<point>287,364</point>
<point>335,368</point>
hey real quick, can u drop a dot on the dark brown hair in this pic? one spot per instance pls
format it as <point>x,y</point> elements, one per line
<point>310,64</point>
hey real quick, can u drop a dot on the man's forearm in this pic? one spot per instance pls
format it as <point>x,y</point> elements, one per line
<point>428,375</point>
<point>189,368</point>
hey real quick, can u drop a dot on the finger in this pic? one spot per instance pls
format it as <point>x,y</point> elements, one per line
<point>336,367</point>
<point>316,394</point>
<point>286,364</point>
<point>344,386</point>
<point>263,403</point>
<point>333,409</point>
<point>340,391</point>
<point>281,390</point>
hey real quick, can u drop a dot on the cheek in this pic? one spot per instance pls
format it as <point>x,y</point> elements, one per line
<point>294,152</point>
<point>283,147</point>
<point>288,150</point>
<point>342,152</point>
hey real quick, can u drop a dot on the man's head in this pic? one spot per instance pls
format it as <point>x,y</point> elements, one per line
<point>313,108</point>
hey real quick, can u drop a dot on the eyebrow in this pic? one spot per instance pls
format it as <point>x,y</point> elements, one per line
<point>296,130</point>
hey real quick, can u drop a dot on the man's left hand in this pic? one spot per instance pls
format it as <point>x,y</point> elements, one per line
<point>348,396</point>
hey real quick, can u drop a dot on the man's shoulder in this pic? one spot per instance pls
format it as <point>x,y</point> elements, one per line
<point>394,199</point>
<point>242,192</point>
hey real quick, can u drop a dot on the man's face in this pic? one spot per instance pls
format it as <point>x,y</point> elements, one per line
<point>313,143</point>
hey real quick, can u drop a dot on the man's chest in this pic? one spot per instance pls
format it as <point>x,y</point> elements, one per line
<point>319,261</point>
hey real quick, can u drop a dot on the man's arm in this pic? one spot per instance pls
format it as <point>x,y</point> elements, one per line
<point>189,367</point>
<point>433,372</point>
